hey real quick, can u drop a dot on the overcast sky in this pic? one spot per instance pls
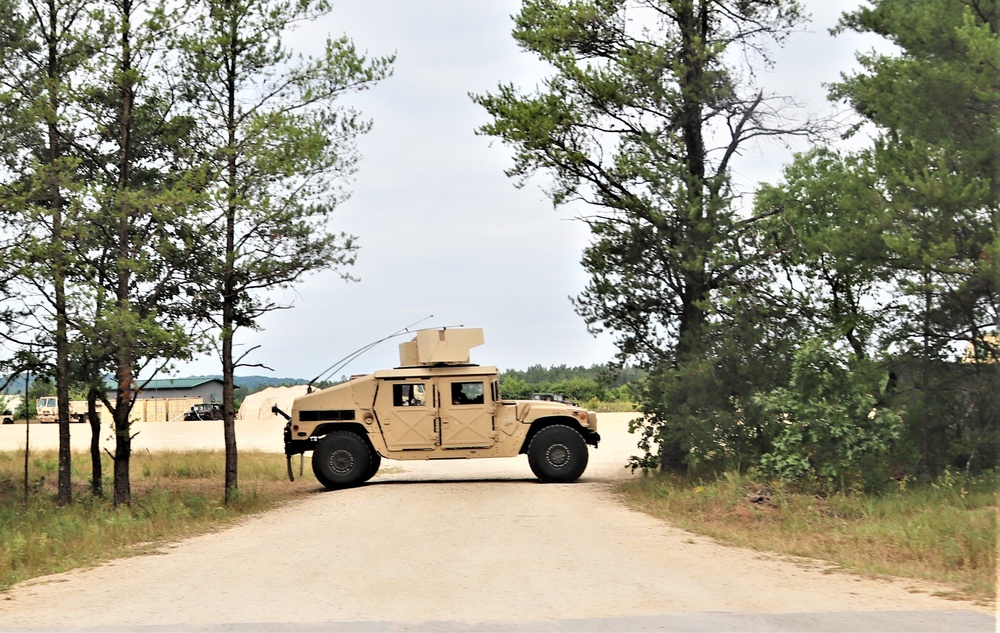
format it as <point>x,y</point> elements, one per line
<point>441,229</point>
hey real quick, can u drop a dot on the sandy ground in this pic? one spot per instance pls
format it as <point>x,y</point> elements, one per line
<point>460,546</point>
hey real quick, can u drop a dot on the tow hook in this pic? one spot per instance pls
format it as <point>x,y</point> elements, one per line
<point>288,461</point>
<point>288,440</point>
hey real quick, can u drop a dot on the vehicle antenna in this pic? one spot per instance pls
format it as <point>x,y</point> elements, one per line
<point>361,350</point>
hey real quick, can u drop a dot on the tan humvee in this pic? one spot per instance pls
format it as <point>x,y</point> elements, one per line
<point>436,405</point>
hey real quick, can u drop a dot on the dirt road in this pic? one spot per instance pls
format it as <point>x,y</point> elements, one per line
<point>470,546</point>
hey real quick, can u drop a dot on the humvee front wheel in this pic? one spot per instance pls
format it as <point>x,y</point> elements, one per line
<point>341,459</point>
<point>557,454</point>
<point>375,465</point>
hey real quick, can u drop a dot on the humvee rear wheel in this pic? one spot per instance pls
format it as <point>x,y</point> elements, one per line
<point>557,454</point>
<point>341,459</point>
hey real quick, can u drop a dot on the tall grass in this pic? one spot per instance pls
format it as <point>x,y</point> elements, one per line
<point>174,495</point>
<point>611,406</point>
<point>944,532</point>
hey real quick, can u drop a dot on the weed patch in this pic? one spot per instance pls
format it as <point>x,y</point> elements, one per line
<point>944,532</point>
<point>175,495</point>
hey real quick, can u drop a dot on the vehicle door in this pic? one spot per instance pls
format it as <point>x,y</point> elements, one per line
<point>406,414</point>
<point>466,412</point>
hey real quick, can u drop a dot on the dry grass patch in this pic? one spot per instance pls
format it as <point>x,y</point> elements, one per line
<point>944,533</point>
<point>174,495</point>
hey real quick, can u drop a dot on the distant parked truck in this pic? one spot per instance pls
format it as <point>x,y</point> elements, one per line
<point>48,410</point>
<point>143,410</point>
<point>204,411</point>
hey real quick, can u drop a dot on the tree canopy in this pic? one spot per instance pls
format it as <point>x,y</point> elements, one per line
<point>645,111</point>
<point>818,332</point>
<point>165,164</point>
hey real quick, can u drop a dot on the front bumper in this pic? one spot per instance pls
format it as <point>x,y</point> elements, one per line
<point>297,447</point>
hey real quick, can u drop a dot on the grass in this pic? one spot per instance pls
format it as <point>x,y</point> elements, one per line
<point>945,532</point>
<point>174,495</point>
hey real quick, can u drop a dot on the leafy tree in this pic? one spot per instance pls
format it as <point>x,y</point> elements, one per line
<point>832,431</point>
<point>277,146</point>
<point>646,111</point>
<point>142,257</point>
<point>580,389</point>
<point>893,249</point>
<point>43,43</point>
<point>937,152</point>
<point>514,388</point>
<point>830,241</point>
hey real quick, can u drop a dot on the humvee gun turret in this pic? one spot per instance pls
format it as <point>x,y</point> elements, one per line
<point>436,405</point>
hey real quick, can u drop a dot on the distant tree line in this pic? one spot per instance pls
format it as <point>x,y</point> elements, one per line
<point>816,336</point>
<point>598,383</point>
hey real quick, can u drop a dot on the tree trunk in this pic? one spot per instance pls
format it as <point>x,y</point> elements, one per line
<point>96,474</point>
<point>123,431</point>
<point>229,281</point>
<point>65,488</point>
<point>693,23</point>
<point>123,455</point>
<point>125,373</point>
<point>229,421</point>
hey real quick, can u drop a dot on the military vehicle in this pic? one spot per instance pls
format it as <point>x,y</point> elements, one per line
<point>435,405</point>
<point>48,410</point>
<point>204,411</point>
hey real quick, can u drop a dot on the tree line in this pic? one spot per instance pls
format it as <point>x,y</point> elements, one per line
<point>600,383</point>
<point>839,332</point>
<point>162,166</point>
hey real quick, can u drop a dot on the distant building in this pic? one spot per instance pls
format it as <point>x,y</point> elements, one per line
<point>208,389</point>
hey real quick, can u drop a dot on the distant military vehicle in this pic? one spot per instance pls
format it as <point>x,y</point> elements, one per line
<point>436,405</point>
<point>48,410</point>
<point>205,411</point>
<point>551,397</point>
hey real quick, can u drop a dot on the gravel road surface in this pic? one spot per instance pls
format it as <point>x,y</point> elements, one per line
<point>460,546</point>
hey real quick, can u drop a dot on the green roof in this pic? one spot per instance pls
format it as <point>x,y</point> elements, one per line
<point>167,384</point>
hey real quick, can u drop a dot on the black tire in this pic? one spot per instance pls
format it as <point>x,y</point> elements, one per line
<point>341,460</point>
<point>374,466</point>
<point>558,454</point>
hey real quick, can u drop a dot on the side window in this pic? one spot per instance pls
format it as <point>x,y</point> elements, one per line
<point>406,395</point>
<point>467,393</point>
